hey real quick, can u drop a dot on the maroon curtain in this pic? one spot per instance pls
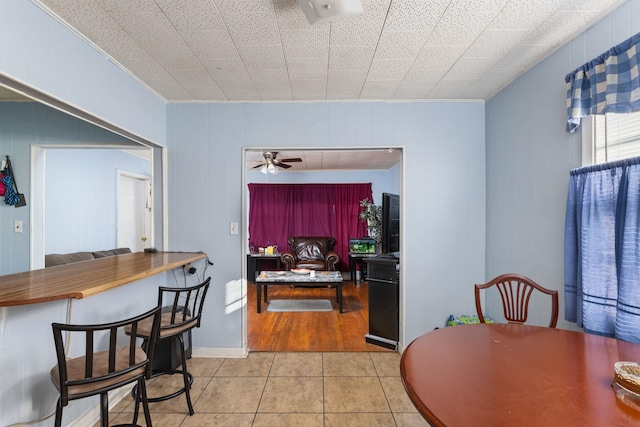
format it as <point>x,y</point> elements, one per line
<point>269,215</point>
<point>312,210</point>
<point>348,223</point>
<point>278,211</point>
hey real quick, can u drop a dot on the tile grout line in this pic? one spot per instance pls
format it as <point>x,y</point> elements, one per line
<point>264,388</point>
<point>324,418</point>
<point>380,371</point>
<point>206,385</point>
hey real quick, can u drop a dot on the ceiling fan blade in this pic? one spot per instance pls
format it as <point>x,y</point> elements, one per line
<point>295,159</point>
<point>283,165</point>
<point>259,166</point>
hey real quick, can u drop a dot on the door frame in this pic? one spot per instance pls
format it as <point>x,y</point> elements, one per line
<point>245,226</point>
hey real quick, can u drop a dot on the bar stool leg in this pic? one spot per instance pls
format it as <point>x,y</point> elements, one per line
<point>145,402</point>
<point>185,375</point>
<point>58,420</point>
<point>137,396</point>
<point>104,410</point>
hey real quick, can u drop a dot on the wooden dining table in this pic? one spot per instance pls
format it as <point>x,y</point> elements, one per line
<point>516,375</point>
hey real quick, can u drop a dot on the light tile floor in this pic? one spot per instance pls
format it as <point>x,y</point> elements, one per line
<point>285,389</point>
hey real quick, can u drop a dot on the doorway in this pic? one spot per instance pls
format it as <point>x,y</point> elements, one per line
<point>315,331</point>
<point>134,211</point>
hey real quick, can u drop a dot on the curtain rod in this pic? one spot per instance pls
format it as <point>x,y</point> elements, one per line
<point>606,166</point>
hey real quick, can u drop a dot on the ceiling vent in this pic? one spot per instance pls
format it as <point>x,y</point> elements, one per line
<point>330,10</point>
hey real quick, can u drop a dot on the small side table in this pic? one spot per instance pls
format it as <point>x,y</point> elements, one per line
<point>258,258</point>
<point>358,259</point>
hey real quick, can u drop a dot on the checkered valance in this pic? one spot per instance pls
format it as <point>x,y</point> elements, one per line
<point>606,84</point>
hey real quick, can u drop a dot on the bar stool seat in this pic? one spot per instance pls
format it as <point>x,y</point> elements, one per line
<point>185,314</point>
<point>96,372</point>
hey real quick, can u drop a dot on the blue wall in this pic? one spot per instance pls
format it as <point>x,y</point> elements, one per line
<point>529,156</point>
<point>442,181</point>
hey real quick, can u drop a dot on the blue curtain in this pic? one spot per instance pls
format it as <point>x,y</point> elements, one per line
<point>609,83</point>
<point>602,249</point>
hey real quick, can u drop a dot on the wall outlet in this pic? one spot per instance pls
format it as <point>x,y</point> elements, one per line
<point>17,227</point>
<point>233,228</point>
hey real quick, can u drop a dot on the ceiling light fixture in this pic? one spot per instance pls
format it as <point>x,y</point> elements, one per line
<point>330,10</point>
<point>269,167</point>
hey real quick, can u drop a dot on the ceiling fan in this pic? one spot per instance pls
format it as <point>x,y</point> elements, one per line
<point>271,163</point>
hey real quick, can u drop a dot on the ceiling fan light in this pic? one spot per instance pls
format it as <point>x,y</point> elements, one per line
<point>272,169</point>
<point>263,169</point>
<point>330,10</point>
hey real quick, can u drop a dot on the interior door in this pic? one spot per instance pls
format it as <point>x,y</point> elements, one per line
<point>134,211</point>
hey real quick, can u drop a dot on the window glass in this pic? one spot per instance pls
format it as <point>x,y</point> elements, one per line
<point>615,137</point>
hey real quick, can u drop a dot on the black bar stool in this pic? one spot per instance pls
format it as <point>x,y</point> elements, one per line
<point>98,372</point>
<point>185,313</point>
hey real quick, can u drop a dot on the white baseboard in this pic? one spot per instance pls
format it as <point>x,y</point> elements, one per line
<point>220,352</point>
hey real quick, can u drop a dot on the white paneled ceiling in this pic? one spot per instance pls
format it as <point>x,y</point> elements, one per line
<point>327,160</point>
<point>266,50</point>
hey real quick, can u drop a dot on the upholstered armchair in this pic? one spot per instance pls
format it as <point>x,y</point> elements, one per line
<point>314,253</point>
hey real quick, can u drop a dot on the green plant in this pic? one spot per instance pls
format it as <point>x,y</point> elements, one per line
<point>372,215</point>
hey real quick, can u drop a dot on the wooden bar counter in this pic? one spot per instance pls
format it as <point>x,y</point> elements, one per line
<point>85,278</point>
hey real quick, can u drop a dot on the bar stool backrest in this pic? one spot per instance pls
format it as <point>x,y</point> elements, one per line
<point>185,308</point>
<point>101,366</point>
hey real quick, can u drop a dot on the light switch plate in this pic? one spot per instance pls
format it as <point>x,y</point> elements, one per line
<point>233,228</point>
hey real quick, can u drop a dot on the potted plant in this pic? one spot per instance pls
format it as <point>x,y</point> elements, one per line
<point>372,215</point>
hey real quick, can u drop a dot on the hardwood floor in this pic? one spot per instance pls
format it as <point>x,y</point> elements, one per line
<point>311,331</point>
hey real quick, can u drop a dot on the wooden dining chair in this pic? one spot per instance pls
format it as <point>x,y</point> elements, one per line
<point>109,360</point>
<point>515,291</point>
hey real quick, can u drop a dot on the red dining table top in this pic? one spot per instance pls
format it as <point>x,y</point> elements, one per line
<point>516,375</point>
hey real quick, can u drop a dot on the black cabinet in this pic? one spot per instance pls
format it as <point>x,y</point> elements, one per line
<point>251,268</point>
<point>383,276</point>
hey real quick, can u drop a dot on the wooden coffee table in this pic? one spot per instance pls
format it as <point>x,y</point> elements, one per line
<point>269,278</point>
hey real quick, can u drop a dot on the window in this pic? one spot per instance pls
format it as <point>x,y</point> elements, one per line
<point>615,137</point>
